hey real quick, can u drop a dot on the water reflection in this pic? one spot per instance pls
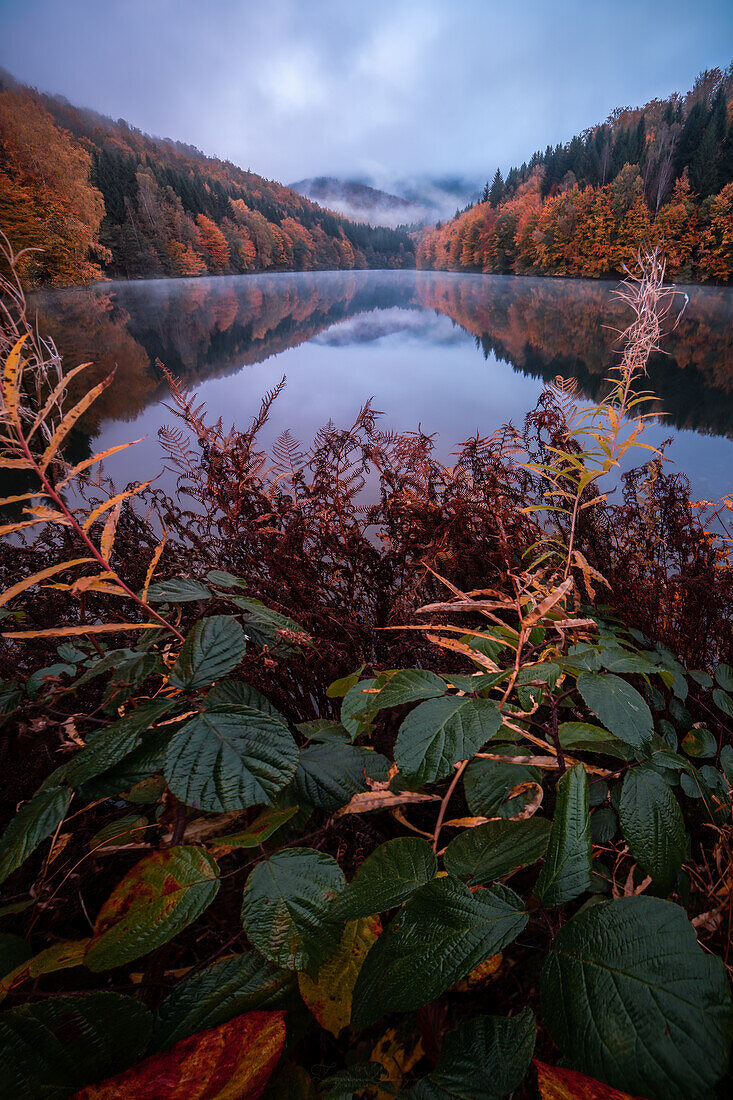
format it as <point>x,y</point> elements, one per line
<point>410,338</point>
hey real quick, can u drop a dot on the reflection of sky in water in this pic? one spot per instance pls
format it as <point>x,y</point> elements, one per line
<point>420,368</point>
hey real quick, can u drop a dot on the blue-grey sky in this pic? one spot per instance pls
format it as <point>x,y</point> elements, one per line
<point>295,88</point>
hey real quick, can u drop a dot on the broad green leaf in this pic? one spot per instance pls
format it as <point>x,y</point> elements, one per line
<point>386,878</point>
<point>410,685</point>
<point>726,763</point>
<point>358,707</point>
<point>218,993</point>
<point>568,870</point>
<point>177,590</point>
<point>491,851</point>
<point>159,897</point>
<point>619,706</point>
<point>324,731</point>
<point>488,782</point>
<point>616,659</point>
<point>34,823</point>
<point>704,679</point>
<point>214,647</point>
<point>267,627</point>
<point>285,910</point>
<point>440,732</point>
<point>229,758</point>
<point>338,688</point>
<point>603,825</point>
<point>14,951</point>
<point>62,955</point>
<point>108,747</point>
<point>699,744</point>
<point>441,935</point>
<point>345,1084</point>
<point>55,1047</point>
<point>483,1059</point>
<point>233,1061</point>
<point>652,825</point>
<point>328,993</point>
<point>224,579</point>
<point>723,702</point>
<point>124,830</point>
<point>328,776</point>
<point>589,738</point>
<point>724,677</point>
<point>241,695</point>
<point>630,997</point>
<point>139,766</point>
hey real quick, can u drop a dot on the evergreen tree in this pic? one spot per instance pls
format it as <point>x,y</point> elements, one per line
<point>496,193</point>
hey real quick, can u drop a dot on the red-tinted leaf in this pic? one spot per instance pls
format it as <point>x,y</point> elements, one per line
<point>567,1084</point>
<point>231,1062</point>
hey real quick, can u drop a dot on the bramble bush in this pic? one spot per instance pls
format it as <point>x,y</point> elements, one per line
<point>243,876</point>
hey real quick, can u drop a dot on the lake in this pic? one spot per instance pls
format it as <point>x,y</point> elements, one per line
<point>452,353</point>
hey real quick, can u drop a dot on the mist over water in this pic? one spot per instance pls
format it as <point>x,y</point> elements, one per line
<point>454,354</point>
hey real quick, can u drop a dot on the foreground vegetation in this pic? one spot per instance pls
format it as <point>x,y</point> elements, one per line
<point>340,798</point>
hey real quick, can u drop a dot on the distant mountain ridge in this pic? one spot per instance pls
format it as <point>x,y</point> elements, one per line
<point>417,201</point>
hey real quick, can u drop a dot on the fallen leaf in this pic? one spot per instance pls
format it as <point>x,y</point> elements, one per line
<point>365,801</point>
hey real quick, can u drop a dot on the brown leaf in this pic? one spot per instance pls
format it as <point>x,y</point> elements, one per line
<point>556,1083</point>
<point>366,801</point>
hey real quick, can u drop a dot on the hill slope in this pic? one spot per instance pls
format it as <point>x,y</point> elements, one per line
<point>100,197</point>
<point>361,202</point>
<point>662,172</point>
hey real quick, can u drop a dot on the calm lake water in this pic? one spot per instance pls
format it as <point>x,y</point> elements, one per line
<point>452,353</point>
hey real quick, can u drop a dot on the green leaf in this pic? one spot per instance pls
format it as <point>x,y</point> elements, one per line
<point>590,738</point>
<point>347,1082</point>
<point>38,819</point>
<point>441,935</point>
<point>212,648</point>
<point>630,997</point>
<point>617,659</point>
<point>328,776</point>
<point>386,878</point>
<point>568,867</point>
<point>177,590</point>
<point>264,626</point>
<point>144,762</point>
<point>240,694</point>
<point>723,702</point>
<point>108,747</point>
<point>652,825</point>
<point>410,685</point>
<point>218,993</point>
<point>224,579</point>
<point>358,707</point>
<point>285,908</point>
<point>619,706</point>
<point>13,952</point>
<point>699,743</point>
<point>603,825</point>
<point>59,1045</point>
<point>482,1059</point>
<point>338,688</point>
<point>159,897</point>
<point>724,677</point>
<point>703,678</point>
<point>440,732</point>
<point>488,782</point>
<point>265,826</point>
<point>229,758</point>
<point>498,848</point>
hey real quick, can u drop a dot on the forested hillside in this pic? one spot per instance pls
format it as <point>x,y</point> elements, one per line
<point>102,198</point>
<point>661,172</point>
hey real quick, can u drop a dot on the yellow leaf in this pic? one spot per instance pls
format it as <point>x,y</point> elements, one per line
<point>70,420</point>
<point>110,527</point>
<point>28,582</point>
<point>328,995</point>
<point>153,563</point>
<point>11,528</point>
<point>61,956</point>
<point>21,496</point>
<point>11,379</point>
<point>69,631</point>
<point>481,976</point>
<point>396,1059</point>
<point>82,466</point>
<point>102,508</point>
<point>53,398</point>
<point>16,464</point>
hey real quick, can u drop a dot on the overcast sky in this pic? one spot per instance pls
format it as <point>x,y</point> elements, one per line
<point>294,88</point>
